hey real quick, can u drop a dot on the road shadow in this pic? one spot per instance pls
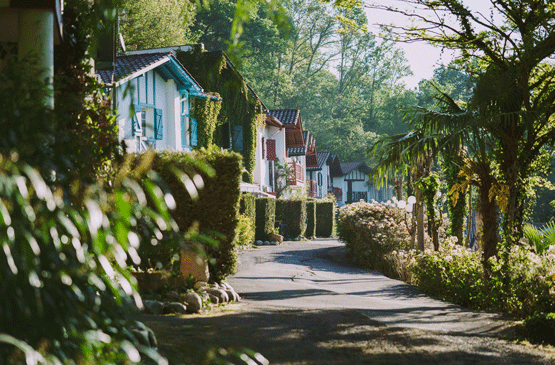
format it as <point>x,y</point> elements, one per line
<point>325,337</point>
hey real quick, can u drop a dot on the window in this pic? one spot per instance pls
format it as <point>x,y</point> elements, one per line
<point>238,137</point>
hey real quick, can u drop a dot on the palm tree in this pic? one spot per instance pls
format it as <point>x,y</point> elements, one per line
<point>458,135</point>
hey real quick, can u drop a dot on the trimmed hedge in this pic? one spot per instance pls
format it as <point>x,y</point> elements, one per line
<point>310,219</point>
<point>325,218</point>
<point>292,213</point>
<point>265,218</point>
<point>247,205</point>
<point>215,210</point>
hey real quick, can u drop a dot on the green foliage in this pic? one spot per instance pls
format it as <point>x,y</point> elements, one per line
<point>292,213</point>
<point>265,218</point>
<point>63,268</point>
<point>310,219</point>
<point>245,231</point>
<point>207,195</point>
<point>247,205</point>
<point>540,239</point>
<point>521,282</point>
<point>325,218</point>
<point>239,107</point>
<point>206,112</point>
<point>152,24</point>
<point>371,232</point>
<point>540,328</point>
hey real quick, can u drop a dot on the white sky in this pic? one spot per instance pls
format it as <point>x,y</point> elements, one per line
<point>422,58</point>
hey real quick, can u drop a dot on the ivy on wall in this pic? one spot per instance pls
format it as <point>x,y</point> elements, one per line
<point>206,112</point>
<point>238,108</point>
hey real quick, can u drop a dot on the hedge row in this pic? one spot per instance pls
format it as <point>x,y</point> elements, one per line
<point>297,218</point>
<point>292,214</point>
<point>213,206</point>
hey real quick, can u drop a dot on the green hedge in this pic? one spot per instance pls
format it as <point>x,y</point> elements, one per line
<point>292,213</point>
<point>325,218</point>
<point>247,205</point>
<point>265,218</point>
<point>310,219</point>
<point>217,205</point>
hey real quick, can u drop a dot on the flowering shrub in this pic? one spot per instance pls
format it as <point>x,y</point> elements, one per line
<point>371,232</point>
<point>521,282</point>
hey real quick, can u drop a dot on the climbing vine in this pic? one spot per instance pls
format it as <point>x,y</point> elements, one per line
<point>206,111</point>
<point>429,186</point>
<point>239,107</point>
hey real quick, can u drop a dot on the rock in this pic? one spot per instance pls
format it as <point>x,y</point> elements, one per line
<point>220,294</point>
<point>232,295</point>
<point>266,243</point>
<point>258,242</point>
<point>175,307</point>
<point>193,301</point>
<point>225,285</point>
<point>173,296</point>
<point>199,285</point>
<point>213,299</point>
<point>193,264</point>
<point>153,306</point>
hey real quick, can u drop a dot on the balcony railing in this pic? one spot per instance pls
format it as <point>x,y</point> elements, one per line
<point>311,188</point>
<point>296,174</point>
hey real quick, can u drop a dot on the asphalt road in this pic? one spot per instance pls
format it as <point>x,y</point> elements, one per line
<point>309,275</point>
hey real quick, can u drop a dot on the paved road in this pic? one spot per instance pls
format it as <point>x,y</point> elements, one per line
<point>311,275</point>
<point>304,304</point>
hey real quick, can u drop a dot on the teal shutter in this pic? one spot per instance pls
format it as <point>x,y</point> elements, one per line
<point>158,124</point>
<point>183,132</point>
<point>238,137</point>
<point>136,124</point>
<point>194,134</point>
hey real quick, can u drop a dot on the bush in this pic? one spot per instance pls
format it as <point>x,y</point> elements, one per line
<point>325,218</point>
<point>265,218</point>
<point>540,328</point>
<point>310,219</point>
<point>247,205</point>
<point>292,213</point>
<point>210,199</point>
<point>64,280</point>
<point>371,232</point>
<point>245,231</point>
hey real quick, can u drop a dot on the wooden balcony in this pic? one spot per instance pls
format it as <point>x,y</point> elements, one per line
<point>311,188</point>
<point>296,174</point>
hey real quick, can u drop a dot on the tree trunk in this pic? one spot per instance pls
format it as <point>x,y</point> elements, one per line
<point>490,224</point>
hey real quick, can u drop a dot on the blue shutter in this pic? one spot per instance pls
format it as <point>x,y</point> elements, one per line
<point>194,134</point>
<point>136,124</point>
<point>158,124</point>
<point>238,137</point>
<point>183,132</point>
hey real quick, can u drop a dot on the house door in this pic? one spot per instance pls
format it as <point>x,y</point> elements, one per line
<point>349,192</point>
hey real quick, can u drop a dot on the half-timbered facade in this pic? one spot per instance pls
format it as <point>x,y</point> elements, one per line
<point>356,186</point>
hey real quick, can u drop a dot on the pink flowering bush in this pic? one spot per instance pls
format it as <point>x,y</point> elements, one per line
<point>371,232</point>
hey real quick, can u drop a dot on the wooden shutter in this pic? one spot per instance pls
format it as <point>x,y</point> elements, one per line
<point>158,124</point>
<point>238,137</point>
<point>271,154</point>
<point>194,133</point>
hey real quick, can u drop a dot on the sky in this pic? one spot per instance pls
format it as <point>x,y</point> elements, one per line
<point>422,58</point>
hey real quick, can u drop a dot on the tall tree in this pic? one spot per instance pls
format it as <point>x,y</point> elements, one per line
<point>515,94</point>
<point>151,24</point>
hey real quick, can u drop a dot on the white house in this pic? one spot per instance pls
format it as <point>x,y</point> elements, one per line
<point>152,94</point>
<point>356,186</point>
<point>295,148</point>
<point>270,147</point>
<point>327,168</point>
